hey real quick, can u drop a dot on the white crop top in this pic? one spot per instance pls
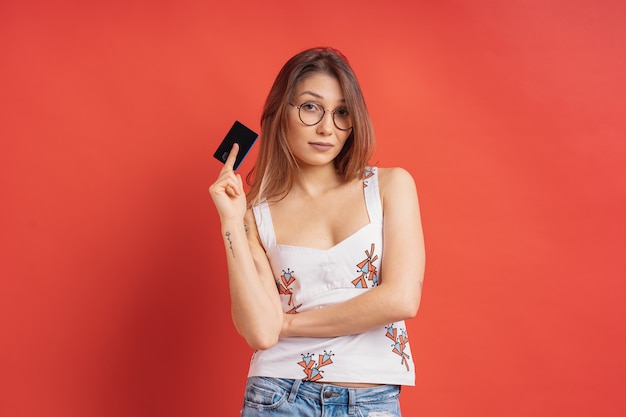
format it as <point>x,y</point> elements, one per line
<point>310,278</point>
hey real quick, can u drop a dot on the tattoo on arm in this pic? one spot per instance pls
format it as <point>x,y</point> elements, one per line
<point>230,243</point>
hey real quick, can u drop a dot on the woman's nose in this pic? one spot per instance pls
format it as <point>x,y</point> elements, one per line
<point>325,126</point>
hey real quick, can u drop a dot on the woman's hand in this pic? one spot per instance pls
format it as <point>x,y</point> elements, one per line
<point>227,191</point>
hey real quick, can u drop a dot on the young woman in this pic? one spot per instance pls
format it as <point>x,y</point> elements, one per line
<point>325,254</point>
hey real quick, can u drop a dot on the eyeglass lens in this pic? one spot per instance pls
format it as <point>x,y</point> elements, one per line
<point>313,113</point>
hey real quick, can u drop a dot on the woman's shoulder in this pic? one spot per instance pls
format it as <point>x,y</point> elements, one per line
<point>394,177</point>
<point>396,185</point>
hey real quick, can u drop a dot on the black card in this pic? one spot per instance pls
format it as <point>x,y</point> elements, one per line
<point>241,135</point>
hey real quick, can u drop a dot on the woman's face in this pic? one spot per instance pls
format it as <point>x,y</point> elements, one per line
<point>321,143</point>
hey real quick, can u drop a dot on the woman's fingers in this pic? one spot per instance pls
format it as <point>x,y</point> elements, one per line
<point>240,180</point>
<point>237,188</point>
<point>232,157</point>
<point>232,190</point>
<point>228,181</point>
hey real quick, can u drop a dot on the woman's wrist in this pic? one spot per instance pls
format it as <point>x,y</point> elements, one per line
<point>233,225</point>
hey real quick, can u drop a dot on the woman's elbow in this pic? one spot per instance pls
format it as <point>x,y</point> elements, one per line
<point>407,308</point>
<point>259,333</point>
<point>261,341</point>
<point>412,309</point>
<point>261,336</point>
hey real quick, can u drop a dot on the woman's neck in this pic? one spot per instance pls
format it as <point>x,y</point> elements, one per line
<point>313,181</point>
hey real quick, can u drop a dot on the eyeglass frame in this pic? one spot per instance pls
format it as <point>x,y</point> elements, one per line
<point>323,114</point>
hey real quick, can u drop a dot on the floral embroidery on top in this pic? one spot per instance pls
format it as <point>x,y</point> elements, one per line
<point>368,270</point>
<point>284,288</point>
<point>369,172</point>
<point>400,342</point>
<point>312,368</point>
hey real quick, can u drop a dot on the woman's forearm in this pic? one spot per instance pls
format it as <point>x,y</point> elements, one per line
<point>255,305</point>
<point>377,307</point>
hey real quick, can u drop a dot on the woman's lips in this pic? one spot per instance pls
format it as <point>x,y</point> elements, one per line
<point>321,146</point>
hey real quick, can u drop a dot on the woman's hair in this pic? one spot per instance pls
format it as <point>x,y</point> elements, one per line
<point>273,174</point>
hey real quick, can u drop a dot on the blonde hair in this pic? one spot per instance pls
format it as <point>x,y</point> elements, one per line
<point>273,174</point>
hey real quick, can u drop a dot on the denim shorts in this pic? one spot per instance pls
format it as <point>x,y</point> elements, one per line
<point>287,397</point>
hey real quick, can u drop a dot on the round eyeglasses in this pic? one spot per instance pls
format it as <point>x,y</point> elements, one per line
<point>311,113</point>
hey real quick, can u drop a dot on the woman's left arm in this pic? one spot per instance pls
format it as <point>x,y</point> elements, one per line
<point>397,297</point>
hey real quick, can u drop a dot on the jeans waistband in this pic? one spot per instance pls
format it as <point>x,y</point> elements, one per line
<point>334,394</point>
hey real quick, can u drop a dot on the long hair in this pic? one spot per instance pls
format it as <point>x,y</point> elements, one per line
<point>272,176</point>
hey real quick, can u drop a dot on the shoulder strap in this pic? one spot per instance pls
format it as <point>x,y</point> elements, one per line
<point>264,224</point>
<point>372,195</point>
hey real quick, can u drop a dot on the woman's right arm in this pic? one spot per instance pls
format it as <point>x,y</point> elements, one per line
<point>255,304</point>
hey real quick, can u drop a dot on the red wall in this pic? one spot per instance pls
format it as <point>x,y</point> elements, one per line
<point>510,116</point>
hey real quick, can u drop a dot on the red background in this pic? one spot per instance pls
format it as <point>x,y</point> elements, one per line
<point>510,116</point>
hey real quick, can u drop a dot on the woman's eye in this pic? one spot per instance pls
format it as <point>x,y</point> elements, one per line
<point>342,112</point>
<point>312,107</point>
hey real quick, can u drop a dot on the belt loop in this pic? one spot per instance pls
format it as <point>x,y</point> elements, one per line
<point>351,401</point>
<point>294,390</point>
